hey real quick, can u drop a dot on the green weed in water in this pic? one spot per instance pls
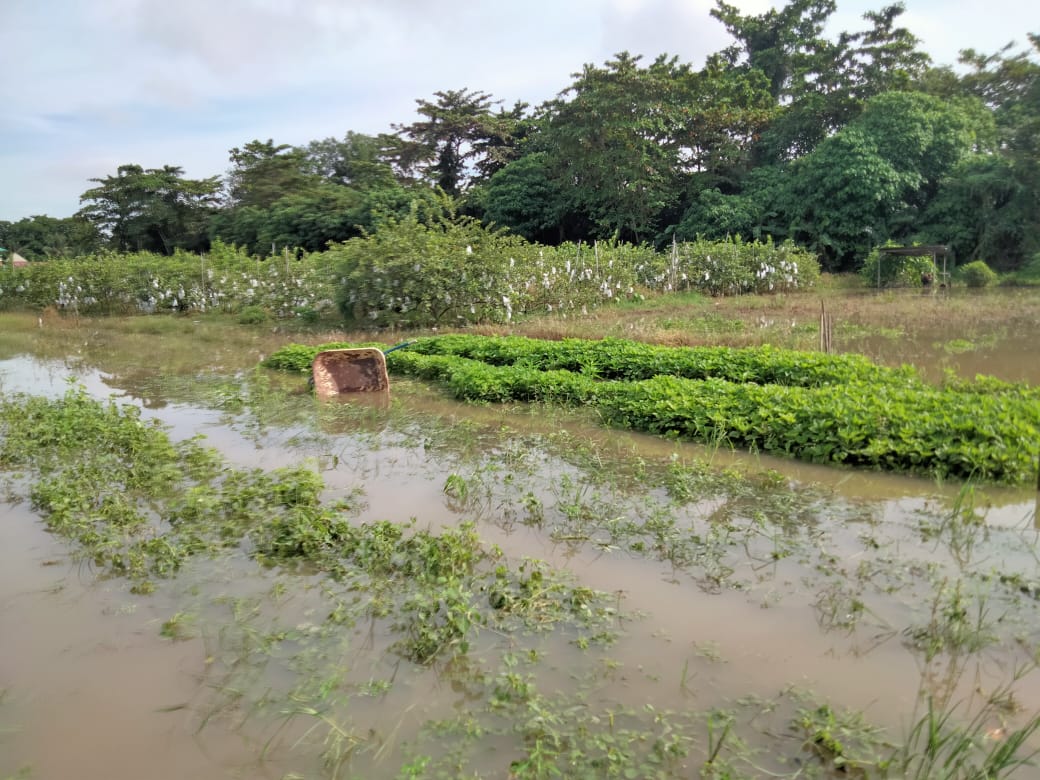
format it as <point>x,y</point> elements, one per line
<point>957,621</point>
<point>939,746</point>
<point>843,741</point>
<point>447,598</point>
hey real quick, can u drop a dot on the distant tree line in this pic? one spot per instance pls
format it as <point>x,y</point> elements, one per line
<point>839,144</point>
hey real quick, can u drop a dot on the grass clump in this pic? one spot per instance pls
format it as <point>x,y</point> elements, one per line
<point>937,746</point>
<point>842,741</point>
<point>253,315</point>
<point>552,735</point>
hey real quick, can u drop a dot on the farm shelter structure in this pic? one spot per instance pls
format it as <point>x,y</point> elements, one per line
<point>17,261</point>
<point>924,250</point>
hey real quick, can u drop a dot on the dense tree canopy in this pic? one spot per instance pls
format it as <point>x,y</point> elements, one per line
<point>153,209</point>
<point>876,176</point>
<point>840,141</point>
<point>262,172</point>
<point>819,84</point>
<point>40,237</point>
<point>355,161</point>
<point>526,196</point>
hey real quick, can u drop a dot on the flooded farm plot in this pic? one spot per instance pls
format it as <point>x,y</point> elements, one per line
<point>604,603</point>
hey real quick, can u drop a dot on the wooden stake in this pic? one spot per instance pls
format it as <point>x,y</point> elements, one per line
<point>826,329</point>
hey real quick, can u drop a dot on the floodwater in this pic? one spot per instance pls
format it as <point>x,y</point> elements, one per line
<point>809,588</point>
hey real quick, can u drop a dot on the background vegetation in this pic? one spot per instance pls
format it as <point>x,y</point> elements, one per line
<point>838,144</point>
<point>431,267</point>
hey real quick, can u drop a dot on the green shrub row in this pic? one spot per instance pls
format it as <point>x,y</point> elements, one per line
<point>443,269</point>
<point>635,360</point>
<point>824,409</point>
<point>621,359</point>
<point>413,272</point>
<point>990,385</point>
<point>732,267</point>
<point>472,380</point>
<point>915,429</point>
<point>299,357</point>
<point>468,379</point>
<point>454,271</point>
<point>225,279</point>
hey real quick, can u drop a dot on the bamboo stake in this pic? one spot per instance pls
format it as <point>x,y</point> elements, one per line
<point>826,330</point>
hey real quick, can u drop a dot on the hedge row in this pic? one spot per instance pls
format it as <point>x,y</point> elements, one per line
<point>411,273</point>
<point>456,271</point>
<point>226,279</point>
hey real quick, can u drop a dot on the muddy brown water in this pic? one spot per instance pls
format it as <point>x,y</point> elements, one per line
<point>92,690</point>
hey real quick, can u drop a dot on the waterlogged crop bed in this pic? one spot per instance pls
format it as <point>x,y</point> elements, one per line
<point>827,409</point>
<point>427,588</point>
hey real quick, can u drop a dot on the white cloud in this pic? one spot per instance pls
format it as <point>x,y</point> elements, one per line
<point>682,28</point>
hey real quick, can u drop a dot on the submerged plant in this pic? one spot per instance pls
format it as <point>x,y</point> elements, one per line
<point>843,741</point>
<point>957,622</point>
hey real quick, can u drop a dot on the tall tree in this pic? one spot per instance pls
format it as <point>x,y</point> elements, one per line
<point>785,44</point>
<point>525,197</point>
<point>1002,80</point>
<point>873,180</point>
<point>357,160</point>
<point>457,140</point>
<point>628,147</point>
<point>262,172</point>
<point>822,84</point>
<point>612,139</point>
<point>725,111</point>
<point>311,219</point>
<point>983,211</point>
<point>990,208</point>
<point>153,209</point>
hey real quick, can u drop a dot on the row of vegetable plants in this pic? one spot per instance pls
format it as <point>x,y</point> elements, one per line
<point>613,358</point>
<point>408,274</point>
<point>819,408</point>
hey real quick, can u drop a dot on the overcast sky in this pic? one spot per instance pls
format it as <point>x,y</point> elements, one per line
<point>88,85</point>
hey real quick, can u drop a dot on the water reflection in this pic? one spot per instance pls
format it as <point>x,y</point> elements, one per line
<point>349,412</point>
